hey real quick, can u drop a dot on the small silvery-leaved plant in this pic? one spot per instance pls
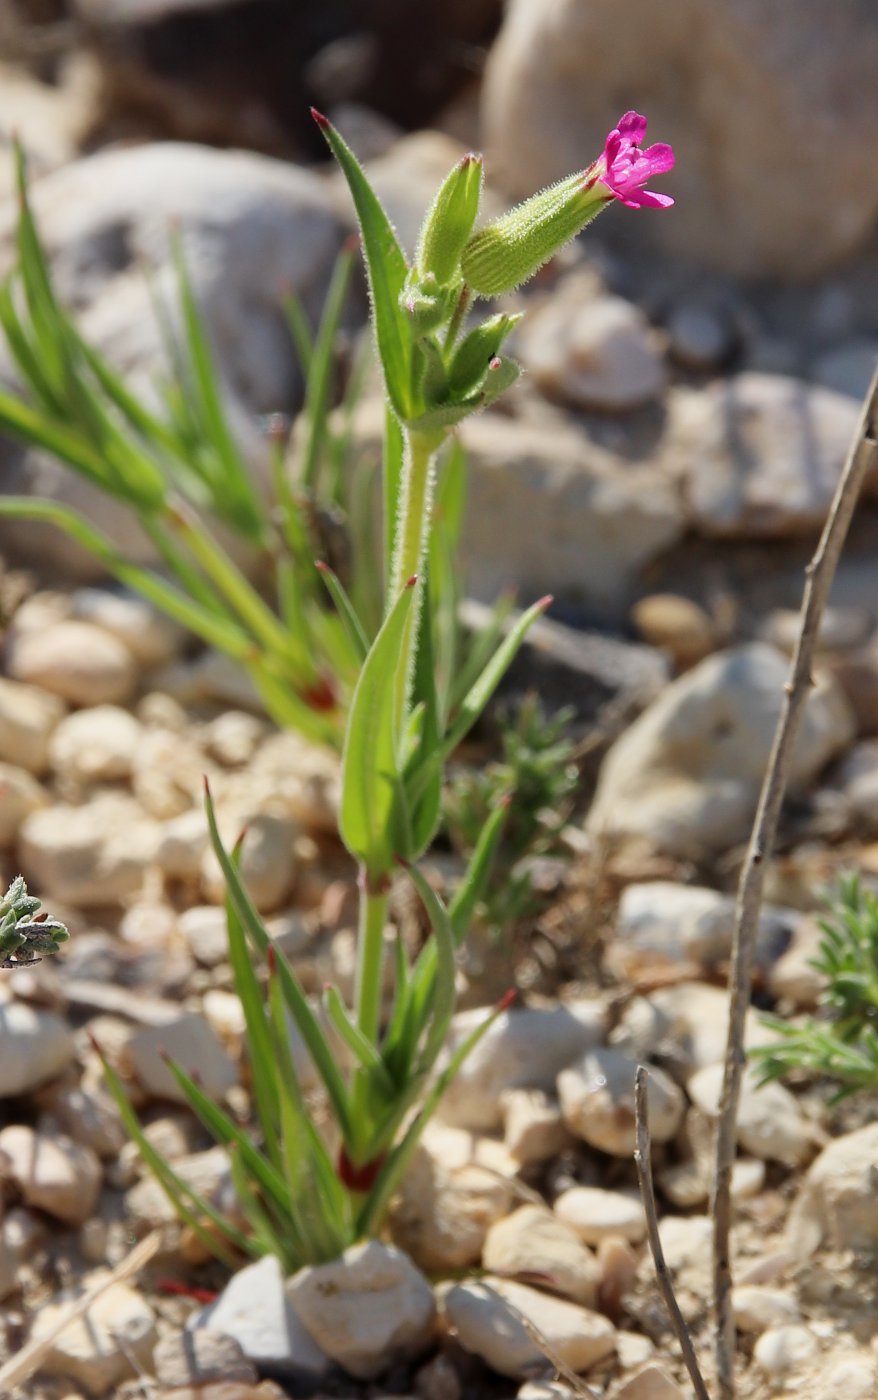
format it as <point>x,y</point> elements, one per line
<point>842,1042</point>
<point>309,1185</point>
<point>27,935</point>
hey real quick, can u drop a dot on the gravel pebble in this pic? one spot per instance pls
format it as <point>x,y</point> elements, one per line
<point>28,716</point>
<point>95,745</point>
<point>76,661</point>
<point>533,1245</point>
<point>53,1173</point>
<point>255,1311</point>
<point>97,1350</point>
<point>366,1310</point>
<point>596,1214</point>
<point>486,1316</point>
<point>786,1348</point>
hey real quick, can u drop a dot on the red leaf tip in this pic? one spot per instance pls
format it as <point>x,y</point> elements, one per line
<point>507,999</point>
<point>319,118</point>
<point>271,959</point>
<point>506,800</point>
<point>546,602</point>
<point>402,862</point>
<point>410,582</point>
<point>206,782</point>
<point>321,566</point>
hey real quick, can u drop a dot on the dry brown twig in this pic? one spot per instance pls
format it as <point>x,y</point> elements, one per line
<point>819,574</point>
<point>643,1160</point>
<point>23,1365</point>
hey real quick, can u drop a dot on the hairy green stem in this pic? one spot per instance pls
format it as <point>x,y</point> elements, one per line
<point>458,316</point>
<point>416,499</point>
<point>370,959</point>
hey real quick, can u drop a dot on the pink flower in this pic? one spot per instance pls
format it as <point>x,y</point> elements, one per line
<point>624,168</point>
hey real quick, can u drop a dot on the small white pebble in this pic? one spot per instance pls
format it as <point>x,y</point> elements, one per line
<point>783,1349</point>
<point>758,1308</point>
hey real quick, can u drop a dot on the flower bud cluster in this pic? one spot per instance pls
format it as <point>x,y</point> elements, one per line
<point>434,378</point>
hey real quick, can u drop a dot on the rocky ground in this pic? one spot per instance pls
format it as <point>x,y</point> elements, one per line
<point>663,468</point>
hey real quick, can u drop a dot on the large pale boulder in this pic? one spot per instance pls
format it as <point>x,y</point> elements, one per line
<point>758,454</point>
<point>837,1204</point>
<point>761,103</point>
<point>686,775</point>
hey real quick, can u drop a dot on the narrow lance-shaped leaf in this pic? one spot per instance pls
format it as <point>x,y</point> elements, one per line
<point>310,1175</point>
<point>319,375</point>
<point>376,1203</point>
<point>192,1208</point>
<point>443,994</point>
<point>263,1067</point>
<point>352,625</point>
<point>295,998</point>
<point>369,765</point>
<point>386,270</point>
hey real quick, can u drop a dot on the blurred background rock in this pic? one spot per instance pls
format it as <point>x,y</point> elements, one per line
<point>691,378</point>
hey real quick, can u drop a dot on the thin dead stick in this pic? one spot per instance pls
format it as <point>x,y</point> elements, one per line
<point>30,1358</point>
<point>862,457</point>
<point>643,1160</point>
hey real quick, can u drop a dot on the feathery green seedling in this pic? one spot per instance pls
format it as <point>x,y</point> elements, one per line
<point>26,935</point>
<point>538,767</point>
<point>306,1191</point>
<point>842,1043</point>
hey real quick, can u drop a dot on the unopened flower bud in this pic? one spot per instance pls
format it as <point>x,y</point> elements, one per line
<point>475,353</point>
<point>509,251</point>
<point>425,303</point>
<point>502,374</point>
<point>450,220</point>
<point>500,257</point>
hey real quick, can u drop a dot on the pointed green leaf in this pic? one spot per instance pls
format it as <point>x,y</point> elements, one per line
<point>480,693</point>
<point>474,884</point>
<point>352,625</point>
<point>369,764</point>
<point>297,1002</point>
<point>192,1208</point>
<point>443,993</point>
<point>386,270</point>
<point>379,1198</point>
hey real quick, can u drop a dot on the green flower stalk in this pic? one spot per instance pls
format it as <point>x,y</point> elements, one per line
<point>305,1191</point>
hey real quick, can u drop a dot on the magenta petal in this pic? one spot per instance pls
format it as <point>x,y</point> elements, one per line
<point>648,199</point>
<point>660,157</point>
<point>612,146</point>
<point>633,127</point>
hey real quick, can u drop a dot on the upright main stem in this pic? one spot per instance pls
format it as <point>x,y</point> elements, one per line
<point>414,507</point>
<point>370,960</point>
<point>413,528</point>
